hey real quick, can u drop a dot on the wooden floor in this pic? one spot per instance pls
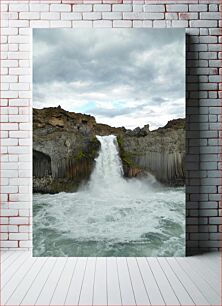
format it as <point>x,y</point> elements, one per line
<point>27,280</point>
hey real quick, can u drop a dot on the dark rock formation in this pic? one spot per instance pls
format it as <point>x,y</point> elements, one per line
<point>64,149</point>
<point>160,152</point>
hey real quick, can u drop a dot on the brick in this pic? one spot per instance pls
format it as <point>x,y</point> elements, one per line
<point>19,86</point>
<point>122,8</point>
<point>208,212</point>
<point>203,23</point>
<point>18,150</point>
<point>4,7</point>
<point>208,40</point>
<point>9,31</point>
<point>215,78</point>
<point>209,228</point>
<point>4,236</point>
<point>204,31</point>
<point>215,220</point>
<point>102,23</point>
<point>122,23</point>
<point>18,55</point>
<point>19,102</point>
<point>13,47</point>
<point>19,118</point>
<point>188,16</point>
<point>82,8</point>
<point>18,23</point>
<point>8,228</point>
<point>24,229</point>
<point>154,8</point>
<point>208,205</point>
<point>9,126</point>
<point>52,15</point>
<point>8,244</point>
<point>197,7</point>
<point>216,31</point>
<point>135,15</point>
<point>60,8</point>
<point>102,7</point>
<point>171,16</point>
<point>24,212</point>
<point>39,24</point>
<point>213,7</point>
<point>24,126</point>
<point>216,236</point>
<point>112,15</point>
<point>25,244</point>
<point>9,173</point>
<point>3,220</point>
<point>199,236</point>
<point>18,236</point>
<point>162,23</point>
<point>9,212</point>
<point>29,15</point>
<point>147,24</point>
<point>9,63</point>
<point>9,142</point>
<point>180,23</point>
<point>177,8</point>
<point>207,15</point>
<point>18,7</point>
<point>138,23</point>
<point>20,71</point>
<point>92,15</point>
<point>214,47</point>
<point>37,7</point>
<point>60,24</point>
<point>137,8</point>
<point>215,63</point>
<point>71,16</point>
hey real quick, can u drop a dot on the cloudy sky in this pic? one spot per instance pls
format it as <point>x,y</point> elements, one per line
<point>123,77</point>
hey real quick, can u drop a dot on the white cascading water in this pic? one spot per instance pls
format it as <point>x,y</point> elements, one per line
<point>108,170</point>
<point>110,216</point>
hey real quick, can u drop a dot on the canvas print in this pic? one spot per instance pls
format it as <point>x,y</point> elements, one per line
<point>108,142</point>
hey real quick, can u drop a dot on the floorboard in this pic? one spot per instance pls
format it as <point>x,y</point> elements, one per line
<point>113,285</point>
<point>86,294</point>
<point>61,291</point>
<point>166,288</point>
<point>28,280</point>
<point>190,286</point>
<point>153,290</point>
<point>208,292</point>
<point>75,286</point>
<point>50,285</point>
<point>126,288</point>
<point>213,279</point>
<point>100,283</point>
<point>139,288</point>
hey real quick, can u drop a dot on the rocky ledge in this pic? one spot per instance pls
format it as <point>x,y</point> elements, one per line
<point>65,147</point>
<point>160,152</point>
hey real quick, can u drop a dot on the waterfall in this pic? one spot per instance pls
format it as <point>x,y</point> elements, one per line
<point>111,215</point>
<point>108,170</point>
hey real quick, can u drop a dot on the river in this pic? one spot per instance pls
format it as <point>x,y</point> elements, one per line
<point>111,215</point>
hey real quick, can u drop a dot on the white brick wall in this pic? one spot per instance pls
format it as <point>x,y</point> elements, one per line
<point>201,20</point>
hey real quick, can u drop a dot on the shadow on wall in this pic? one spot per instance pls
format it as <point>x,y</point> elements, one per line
<point>194,194</point>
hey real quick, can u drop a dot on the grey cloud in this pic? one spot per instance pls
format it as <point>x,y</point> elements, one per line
<point>106,59</point>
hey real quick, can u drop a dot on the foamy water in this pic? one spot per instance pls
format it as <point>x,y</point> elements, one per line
<point>111,216</point>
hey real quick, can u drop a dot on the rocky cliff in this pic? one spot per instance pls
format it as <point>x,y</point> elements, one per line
<point>65,147</point>
<point>160,152</point>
